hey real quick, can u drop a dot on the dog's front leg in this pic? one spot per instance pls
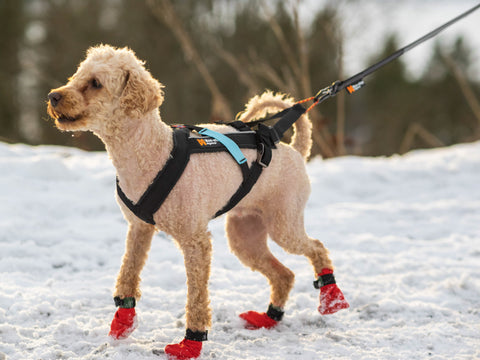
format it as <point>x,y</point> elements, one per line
<point>127,290</point>
<point>139,239</point>
<point>197,252</point>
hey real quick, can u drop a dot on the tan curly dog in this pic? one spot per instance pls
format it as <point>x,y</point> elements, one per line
<point>115,97</point>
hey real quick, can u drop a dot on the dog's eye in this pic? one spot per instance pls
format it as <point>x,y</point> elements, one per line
<point>96,84</point>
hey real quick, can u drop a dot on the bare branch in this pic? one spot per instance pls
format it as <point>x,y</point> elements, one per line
<point>464,86</point>
<point>240,69</point>
<point>264,70</point>
<point>165,12</point>
<point>303,52</point>
<point>282,41</point>
<point>290,82</point>
<point>320,134</point>
<point>415,129</point>
<point>340,100</point>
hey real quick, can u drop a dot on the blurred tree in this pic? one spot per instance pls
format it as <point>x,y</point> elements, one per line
<point>325,41</point>
<point>388,104</point>
<point>13,22</point>
<point>430,111</point>
<point>447,112</point>
<point>166,12</point>
<point>71,27</point>
<point>217,54</point>
<point>468,91</point>
<point>268,48</point>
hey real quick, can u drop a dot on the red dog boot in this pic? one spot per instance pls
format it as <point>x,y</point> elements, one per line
<point>331,297</point>
<point>256,320</point>
<point>188,348</point>
<point>125,320</point>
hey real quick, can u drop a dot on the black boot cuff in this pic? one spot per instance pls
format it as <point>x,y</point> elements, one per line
<point>126,303</point>
<point>275,313</point>
<point>196,335</point>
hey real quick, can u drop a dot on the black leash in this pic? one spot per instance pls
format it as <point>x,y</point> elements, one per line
<point>352,84</point>
<point>355,82</point>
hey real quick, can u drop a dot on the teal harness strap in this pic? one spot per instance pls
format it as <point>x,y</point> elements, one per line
<point>229,144</point>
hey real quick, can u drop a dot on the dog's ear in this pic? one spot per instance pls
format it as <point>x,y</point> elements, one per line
<point>141,94</point>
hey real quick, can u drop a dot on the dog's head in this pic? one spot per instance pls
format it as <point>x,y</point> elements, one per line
<point>110,85</point>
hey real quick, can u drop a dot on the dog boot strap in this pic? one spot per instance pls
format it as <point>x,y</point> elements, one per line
<point>125,303</point>
<point>274,312</point>
<point>324,278</point>
<point>196,335</point>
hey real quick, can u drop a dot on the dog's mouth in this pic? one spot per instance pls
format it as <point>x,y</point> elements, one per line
<point>62,118</point>
<point>68,119</point>
<point>68,122</point>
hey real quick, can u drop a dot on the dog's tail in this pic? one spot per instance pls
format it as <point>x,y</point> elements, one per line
<point>258,106</point>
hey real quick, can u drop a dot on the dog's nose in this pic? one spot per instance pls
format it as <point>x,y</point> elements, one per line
<point>54,98</point>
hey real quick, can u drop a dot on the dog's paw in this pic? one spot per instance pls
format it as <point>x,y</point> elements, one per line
<point>331,297</point>
<point>123,324</point>
<point>331,300</point>
<point>186,349</point>
<point>256,320</point>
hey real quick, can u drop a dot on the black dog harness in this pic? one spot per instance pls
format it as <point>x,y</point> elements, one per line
<point>193,139</point>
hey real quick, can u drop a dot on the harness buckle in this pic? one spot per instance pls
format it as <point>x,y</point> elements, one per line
<point>260,153</point>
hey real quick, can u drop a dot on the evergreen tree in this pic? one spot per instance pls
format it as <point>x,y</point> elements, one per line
<point>12,20</point>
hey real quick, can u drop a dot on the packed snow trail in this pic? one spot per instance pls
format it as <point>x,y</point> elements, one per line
<point>403,232</point>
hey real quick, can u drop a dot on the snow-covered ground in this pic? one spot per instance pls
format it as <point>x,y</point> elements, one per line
<point>404,233</point>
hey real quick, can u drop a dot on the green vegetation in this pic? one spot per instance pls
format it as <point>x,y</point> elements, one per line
<point>212,55</point>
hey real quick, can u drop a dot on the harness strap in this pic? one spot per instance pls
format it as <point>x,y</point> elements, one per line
<point>267,137</point>
<point>231,146</point>
<point>263,160</point>
<point>156,193</point>
<point>287,120</point>
<point>271,135</point>
<point>231,143</point>
<point>203,144</point>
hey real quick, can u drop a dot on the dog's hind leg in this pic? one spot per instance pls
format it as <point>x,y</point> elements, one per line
<point>139,239</point>
<point>247,236</point>
<point>286,228</point>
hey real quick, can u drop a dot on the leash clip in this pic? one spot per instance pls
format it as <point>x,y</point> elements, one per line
<point>327,92</point>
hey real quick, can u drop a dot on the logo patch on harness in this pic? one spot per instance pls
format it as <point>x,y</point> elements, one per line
<point>207,142</point>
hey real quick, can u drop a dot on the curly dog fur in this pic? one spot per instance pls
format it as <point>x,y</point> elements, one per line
<point>114,96</point>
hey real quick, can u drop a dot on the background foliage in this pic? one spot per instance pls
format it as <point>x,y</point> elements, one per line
<point>212,55</point>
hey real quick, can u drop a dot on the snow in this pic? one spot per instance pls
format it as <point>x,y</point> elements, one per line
<point>404,233</point>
